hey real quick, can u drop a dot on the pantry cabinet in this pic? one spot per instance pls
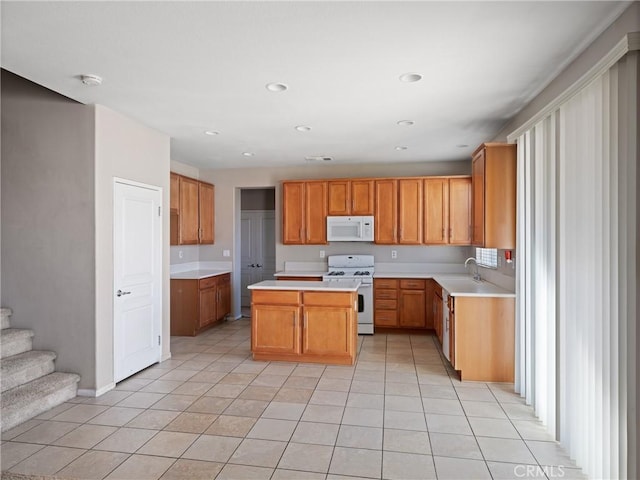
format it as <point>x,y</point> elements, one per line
<point>494,196</point>
<point>304,213</point>
<point>351,197</point>
<point>197,304</point>
<point>192,211</point>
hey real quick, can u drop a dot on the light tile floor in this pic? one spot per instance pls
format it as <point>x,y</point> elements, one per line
<point>212,412</point>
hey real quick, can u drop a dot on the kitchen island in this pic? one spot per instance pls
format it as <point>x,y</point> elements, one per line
<point>304,321</point>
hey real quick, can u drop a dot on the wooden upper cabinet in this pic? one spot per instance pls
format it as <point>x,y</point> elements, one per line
<point>206,198</point>
<point>188,212</point>
<point>174,197</point>
<point>293,203</point>
<point>192,211</point>
<point>410,200</point>
<point>436,211</point>
<point>460,211</point>
<point>304,213</point>
<point>351,197</point>
<point>386,211</point>
<point>494,196</point>
<point>316,213</point>
<point>339,197</point>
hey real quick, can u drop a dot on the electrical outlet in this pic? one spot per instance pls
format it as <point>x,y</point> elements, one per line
<point>226,253</point>
<point>394,254</point>
<point>180,254</point>
<point>322,253</point>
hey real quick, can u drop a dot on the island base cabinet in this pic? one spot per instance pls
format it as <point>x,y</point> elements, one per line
<point>484,338</point>
<point>311,327</point>
<point>275,329</point>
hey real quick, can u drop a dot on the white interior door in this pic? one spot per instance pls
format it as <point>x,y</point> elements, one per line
<point>137,274</point>
<point>257,249</point>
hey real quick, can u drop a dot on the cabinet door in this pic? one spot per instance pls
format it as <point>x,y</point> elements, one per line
<point>362,197</point>
<point>477,192</point>
<point>316,213</point>
<point>452,331</point>
<point>410,200</point>
<point>339,197</point>
<point>224,297</point>
<point>386,211</point>
<point>436,211</point>
<point>208,305</point>
<point>460,211</point>
<point>293,213</point>
<point>188,214</point>
<point>327,331</point>
<point>412,308</point>
<point>174,197</point>
<point>206,198</point>
<point>275,329</point>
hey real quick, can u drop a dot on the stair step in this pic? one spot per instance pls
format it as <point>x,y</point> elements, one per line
<point>5,313</point>
<point>14,341</point>
<point>31,399</point>
<point>25,367</point>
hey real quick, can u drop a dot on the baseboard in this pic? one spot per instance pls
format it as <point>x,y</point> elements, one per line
<point>92,392</point>
<point>165,356</point>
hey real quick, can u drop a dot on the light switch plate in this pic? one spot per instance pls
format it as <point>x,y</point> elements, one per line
<point>226,253</point>
<point>394,254</point>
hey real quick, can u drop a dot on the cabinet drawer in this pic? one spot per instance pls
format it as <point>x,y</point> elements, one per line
<point>208,282</point>
<point>386,304</point>
<point>413,284</point>
<point>382,293</point>
<point>275,297</point>
<point>335,299</point>
<point>385,283</point>
<point>386,318</point>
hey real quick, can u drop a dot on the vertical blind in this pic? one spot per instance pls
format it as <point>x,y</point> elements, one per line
<point>577,285</point>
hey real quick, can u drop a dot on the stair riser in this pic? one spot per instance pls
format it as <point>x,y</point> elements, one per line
<point>26,375</point>
<point>19,345</point>
<point>12,417</point>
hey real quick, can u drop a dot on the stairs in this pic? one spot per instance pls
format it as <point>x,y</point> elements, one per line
<point>28,382</point>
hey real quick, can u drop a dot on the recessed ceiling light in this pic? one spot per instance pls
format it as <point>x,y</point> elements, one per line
<point>401,148</point>
<point>211,132</point>
<point>91,80</point>
<point>247,154</point>
<point>303,128</point>
<point>410,77</point>
<point>406,123</point>
<point>462,145</point>
<point>276,87</point>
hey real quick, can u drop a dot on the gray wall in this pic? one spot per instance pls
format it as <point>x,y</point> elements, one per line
<point>48,221</point>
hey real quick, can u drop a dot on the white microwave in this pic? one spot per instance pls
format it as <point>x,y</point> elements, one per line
<point>350,229</point>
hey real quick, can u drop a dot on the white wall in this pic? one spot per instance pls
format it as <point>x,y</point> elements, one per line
<point>48,220</point>
<point>125,149</point>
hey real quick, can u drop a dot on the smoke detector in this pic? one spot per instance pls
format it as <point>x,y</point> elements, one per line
<point>318,159</point>
<point>91,80</point>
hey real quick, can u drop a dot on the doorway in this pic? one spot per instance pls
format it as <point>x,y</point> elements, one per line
<point>137,277</point>
<point>257,239</point>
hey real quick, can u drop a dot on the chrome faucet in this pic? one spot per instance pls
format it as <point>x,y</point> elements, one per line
<point>476,276</point>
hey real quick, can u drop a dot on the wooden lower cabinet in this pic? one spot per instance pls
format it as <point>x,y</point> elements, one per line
<point>316,327</point>
<point>482,338</point>
<point>199,304</point>
<point>401,303</point>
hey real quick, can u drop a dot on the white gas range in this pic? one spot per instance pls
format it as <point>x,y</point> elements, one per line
<point>355,267</point>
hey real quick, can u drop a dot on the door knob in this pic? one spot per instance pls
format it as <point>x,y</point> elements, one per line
<point>253,265</point>
<point>120,293</point>
<point>259,266</point>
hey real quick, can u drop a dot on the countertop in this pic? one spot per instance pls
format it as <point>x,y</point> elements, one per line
<point>347,286</point>
<point>197,274</point>
<point>458,285</point>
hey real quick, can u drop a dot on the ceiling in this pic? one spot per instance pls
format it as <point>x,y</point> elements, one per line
<point>187,67</point>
